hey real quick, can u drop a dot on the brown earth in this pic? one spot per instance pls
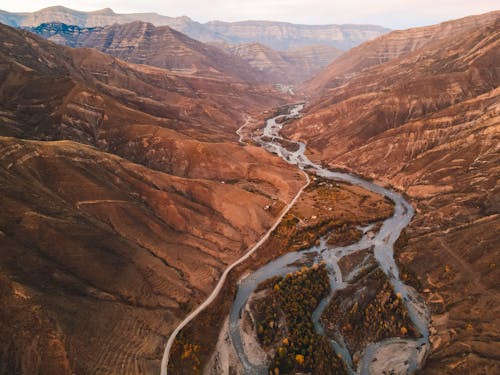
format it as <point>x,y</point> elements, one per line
<point>287,67</point>
<point>52,92</point>
<point>427,122</point>
<point>112,254</point>
<point>392,46</point>
<point>328,207</point>
<point>143,43</point>
<point>121,212</point>
<point>351,206</point>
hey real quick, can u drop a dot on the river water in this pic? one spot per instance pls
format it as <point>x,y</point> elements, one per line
<point>397,354</point>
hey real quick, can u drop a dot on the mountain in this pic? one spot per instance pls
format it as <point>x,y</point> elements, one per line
<point>419,110</point>
<point>291,66</point>
<point>393,45</point>
<point>277,35</point>
<point>142,43</point>
<point>283,36</point>
<point>163,47</point>
<point>124,194</point>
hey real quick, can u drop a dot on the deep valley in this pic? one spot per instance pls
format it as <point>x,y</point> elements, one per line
<point>250,197</point>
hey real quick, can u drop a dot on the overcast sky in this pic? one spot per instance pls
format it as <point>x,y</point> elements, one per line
<point>395,14</point>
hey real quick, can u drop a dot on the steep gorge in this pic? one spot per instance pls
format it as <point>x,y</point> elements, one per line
<point>136,171</point>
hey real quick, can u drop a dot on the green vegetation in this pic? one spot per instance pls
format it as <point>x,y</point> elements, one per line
<point>293,299</point>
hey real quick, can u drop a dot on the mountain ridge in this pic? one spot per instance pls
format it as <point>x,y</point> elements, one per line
<point>344,36</point>
<point>142,43</point>
<point>392,45</point>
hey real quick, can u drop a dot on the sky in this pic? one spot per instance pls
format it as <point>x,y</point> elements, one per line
<point>395,14</point>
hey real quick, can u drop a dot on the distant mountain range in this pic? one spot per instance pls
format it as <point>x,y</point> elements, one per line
<point>277,35</point>
<point>142,43</point>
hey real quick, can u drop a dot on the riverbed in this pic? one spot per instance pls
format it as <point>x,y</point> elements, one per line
<point>400,355</point>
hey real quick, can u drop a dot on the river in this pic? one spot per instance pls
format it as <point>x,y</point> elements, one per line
<point>402,355</point>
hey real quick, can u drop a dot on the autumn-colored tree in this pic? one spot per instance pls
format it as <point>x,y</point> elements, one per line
<point>299,358</point>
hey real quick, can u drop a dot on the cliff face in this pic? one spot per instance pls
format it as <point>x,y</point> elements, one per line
<point>124,195</point>
<point>283,36</point>
<point>427,121</point>
<point>277,35</point>
<point>142,43</point>
<point>291,66</point>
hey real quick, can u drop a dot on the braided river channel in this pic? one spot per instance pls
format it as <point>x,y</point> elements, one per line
<point>393,355</point>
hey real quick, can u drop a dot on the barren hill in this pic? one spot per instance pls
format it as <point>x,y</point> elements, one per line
<point>396,44</point>
<point>124,195</point>
<point>419,110</point>
<point>142,43</point>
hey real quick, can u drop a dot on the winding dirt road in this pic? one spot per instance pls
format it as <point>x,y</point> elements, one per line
<point>218,287</point>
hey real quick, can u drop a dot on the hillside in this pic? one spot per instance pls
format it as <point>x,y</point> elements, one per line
<point>292,66</point>
<point>124,195</point>
<point>142,43</point>
<point>394,45</point>
<point>419,110</point>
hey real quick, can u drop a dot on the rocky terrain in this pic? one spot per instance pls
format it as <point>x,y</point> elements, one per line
<point>124,195</point>
<point>393,45</point>
<point>289,67</point>
<point>125,190</point>
<point>283,36</point>
<point>277,35</point>
<point>322,205</point>
<point>142,43</point>
<point>418,110</point>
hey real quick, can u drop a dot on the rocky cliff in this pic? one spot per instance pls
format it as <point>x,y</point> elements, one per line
<point>291,66</point>
<point>277,35</point>
<point>283,36</point>
<point>142,43</point>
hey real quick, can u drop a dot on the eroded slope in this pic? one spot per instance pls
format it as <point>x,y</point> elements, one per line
<point>427,122</point>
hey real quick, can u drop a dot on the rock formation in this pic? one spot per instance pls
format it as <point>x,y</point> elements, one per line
<point>277,35</point>
<point>142,43</point>
<point>287,67</point>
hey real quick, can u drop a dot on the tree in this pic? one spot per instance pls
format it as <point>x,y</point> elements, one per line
<point>299,358</point>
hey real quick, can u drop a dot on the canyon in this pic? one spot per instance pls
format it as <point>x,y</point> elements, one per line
<point>277,35</point>
<point>143,171</point>
<point>424,119</point>
<point>135,170</point>
<point>142,43</point>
